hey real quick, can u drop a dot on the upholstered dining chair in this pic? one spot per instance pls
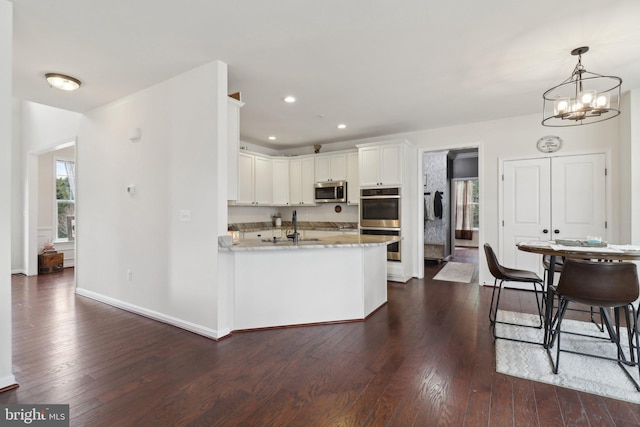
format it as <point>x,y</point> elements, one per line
<point>607,285</point>
<point>505,274</point>
<point>546,263</point>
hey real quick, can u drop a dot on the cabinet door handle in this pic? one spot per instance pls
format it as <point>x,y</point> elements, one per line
<point>545,231</point>
<point>556,231</point>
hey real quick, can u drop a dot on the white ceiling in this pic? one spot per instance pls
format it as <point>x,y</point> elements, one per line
<point>379,66</point>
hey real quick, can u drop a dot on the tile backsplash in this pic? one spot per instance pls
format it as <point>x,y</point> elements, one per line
<point>322,212</point>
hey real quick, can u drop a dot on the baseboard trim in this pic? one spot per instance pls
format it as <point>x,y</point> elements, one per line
<point>160,317</point>
<point>8,383</point>
<point>19,271</point>
<point>398,278</point>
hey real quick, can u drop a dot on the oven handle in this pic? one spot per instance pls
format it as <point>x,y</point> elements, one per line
<point>378,197</point>
<point>381,228</point>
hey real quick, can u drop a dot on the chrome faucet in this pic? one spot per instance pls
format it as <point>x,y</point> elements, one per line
<point>295,234</point>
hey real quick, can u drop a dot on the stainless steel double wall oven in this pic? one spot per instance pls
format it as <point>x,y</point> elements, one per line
<point>380,215</point>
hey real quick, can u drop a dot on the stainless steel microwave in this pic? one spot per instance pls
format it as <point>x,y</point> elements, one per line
<point>331,192</point>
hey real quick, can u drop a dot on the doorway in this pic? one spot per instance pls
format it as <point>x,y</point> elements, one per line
<point>43,202</point>
<point>465,205</point>
<point>442,170</point>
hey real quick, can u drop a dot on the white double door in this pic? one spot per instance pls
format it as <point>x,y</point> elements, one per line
<point>551,198</point>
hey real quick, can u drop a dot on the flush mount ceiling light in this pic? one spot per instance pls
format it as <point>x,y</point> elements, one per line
<point>583,98</point>
<point>62,82</point>
<point>272,138</point>
<point>290,99</point>
<point>342,126</point>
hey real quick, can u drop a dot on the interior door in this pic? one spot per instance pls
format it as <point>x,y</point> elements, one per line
<point>551,198</point>
<point>526,209</point>
<point>578,196</point>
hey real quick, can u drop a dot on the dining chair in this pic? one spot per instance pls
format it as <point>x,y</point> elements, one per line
<point>503,274</point>
<point>607,285</point>
<point>546,264</point>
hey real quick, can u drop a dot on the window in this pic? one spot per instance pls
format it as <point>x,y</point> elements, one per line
<point>466,204</point>
<point>475,203</point>
<point>65,198</point>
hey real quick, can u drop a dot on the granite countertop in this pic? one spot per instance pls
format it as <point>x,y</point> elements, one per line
<point>337,241</point>
<point>302,225</point>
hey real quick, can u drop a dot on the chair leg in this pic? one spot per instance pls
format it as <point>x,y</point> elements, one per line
<point>630,334</point>
<point>634,347</point>
<point>539,301</point>
<point>600,326</point>
<point>493,313</point>
<point>554,334</point>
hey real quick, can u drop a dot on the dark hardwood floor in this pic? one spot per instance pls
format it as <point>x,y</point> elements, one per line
<point>424,359</point>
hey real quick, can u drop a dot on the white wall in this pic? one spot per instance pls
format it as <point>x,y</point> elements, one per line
<point>516,138</point>
<point>133,251</point>
<point>6,28</point>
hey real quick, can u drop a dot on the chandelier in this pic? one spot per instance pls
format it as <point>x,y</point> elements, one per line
<point>583,98</point>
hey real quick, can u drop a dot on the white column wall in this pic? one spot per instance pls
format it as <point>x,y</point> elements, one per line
<point>43,129</point>
<point>18,212</point>
<point>6,28</point>
<point>632,157</point>
<point>133,249</point>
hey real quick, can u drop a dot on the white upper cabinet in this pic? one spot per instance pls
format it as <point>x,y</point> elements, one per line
<point>380,165</point>
<point>280,181</point>
<point>301,180</point>
<point>353,179</point>
<point>331,167</point>
<point>245,182</point>
<point>255,186</point>
<point>233,126</point>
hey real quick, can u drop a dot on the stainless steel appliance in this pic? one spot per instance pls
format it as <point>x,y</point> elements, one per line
<point>331,192</point>
<point>380,207</point>
<point>393,249</point>
<point>380,215</point>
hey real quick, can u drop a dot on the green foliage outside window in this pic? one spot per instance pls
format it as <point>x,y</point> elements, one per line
<point>65,196</point>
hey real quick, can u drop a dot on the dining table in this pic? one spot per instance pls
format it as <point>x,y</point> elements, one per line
<point>575,249</point>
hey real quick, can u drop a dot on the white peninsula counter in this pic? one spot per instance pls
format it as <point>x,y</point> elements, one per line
<point>329,279</point>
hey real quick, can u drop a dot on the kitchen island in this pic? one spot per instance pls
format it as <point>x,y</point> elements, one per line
<point>328,279</point>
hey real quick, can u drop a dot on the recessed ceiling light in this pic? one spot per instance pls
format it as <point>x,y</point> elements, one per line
<point>62,82</point>
<point>342,126</point>
<point>290,99</point>
<point>272,138</point>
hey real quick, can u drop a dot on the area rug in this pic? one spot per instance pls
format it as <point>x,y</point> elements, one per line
<point>582,373</point>
<point>456,272</point>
